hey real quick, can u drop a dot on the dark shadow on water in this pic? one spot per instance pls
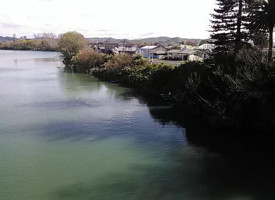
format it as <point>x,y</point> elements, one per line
<point>191,175</point>
<point>216,165</point>
<point>246,163</point>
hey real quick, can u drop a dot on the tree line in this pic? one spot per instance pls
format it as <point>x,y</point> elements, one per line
<point>40,42</point>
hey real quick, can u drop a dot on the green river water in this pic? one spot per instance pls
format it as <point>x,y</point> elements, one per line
<point>71,137</point>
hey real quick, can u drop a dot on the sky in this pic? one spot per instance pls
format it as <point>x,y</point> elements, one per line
<point>131,19</point>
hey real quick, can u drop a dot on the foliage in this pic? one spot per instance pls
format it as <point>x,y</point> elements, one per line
<point>70,44</point>
<point>20,45</point>
<point>262,19</point>
<point>87,59</point>
<point>34,44</point>
<point>228,25</point>
<point>119,61</point>
<point>191,43</point>
<point>260,40</point>
<point>203,42</point>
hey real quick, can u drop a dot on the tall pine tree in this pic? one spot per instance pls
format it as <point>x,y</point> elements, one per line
<point>229,25</point>
<point>262,20</point>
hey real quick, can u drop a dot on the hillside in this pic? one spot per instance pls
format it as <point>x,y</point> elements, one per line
<point>166,41</point>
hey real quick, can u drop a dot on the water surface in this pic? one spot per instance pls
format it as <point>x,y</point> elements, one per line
<point>70,136</point>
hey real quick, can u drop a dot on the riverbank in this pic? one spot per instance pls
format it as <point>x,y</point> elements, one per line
<point>237,96</point>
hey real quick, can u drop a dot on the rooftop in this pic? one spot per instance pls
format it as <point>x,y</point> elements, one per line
<point>148,47</point>
<point>178,51</point>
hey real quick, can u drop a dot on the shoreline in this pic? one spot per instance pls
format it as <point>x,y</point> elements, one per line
<point>190,100</point>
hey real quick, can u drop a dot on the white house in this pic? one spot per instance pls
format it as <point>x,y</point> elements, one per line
<point>209,47</point>
<point>145,51</point>
<point>158,52</point>
<point>188,55</point>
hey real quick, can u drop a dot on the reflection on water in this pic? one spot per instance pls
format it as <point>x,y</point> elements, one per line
<point>70,136</point>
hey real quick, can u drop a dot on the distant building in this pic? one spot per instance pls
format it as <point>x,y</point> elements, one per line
<point>155,52</point>
<point>145,51</point>
<point>114,47</point>
<point>101,49</point>
<point>124,48</point>
<point>184,55</point>
<point>109,46</point>
<point>206,46</point>
<point>158,52</point>
<point>206,50</point>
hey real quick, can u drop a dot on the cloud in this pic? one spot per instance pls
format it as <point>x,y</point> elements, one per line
<point>31,16</point>
<point>107,34</point>
<point>147,34</point>
<point>102,30</point>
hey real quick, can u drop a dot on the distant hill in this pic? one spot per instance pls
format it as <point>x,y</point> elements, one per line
<point>106,39</point>
<point>6,39</point>
<point>166,41</point>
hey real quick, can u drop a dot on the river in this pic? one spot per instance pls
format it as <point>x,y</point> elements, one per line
<point>67,136</point>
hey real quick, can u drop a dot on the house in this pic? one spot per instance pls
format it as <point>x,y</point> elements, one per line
<point>124,48</point>
<point>98,47</point>
<point>158,52</point>
<point>188,55</point>
<point>205,50</point>
<point>101,49</point>
<point>206,46</point>
<point>145,51</point>
<point>109,46</point>
<point>155,52</point>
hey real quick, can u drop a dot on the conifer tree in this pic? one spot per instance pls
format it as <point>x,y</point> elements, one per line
<point>262,20</point>
<point>229,25</point>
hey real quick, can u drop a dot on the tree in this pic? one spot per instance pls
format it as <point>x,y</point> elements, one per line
<point>263,20</point>
<point>229,25</point>
<point>45,45</point>
<point>190,42</point>
<point>70,44</point>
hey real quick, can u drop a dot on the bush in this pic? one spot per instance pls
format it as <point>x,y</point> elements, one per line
<point>87,59</point>
<point>119,61</point>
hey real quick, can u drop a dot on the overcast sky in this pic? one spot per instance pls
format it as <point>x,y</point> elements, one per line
<point>131,19</point>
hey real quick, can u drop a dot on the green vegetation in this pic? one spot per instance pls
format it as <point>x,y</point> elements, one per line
<point>70,44</point>
<point>45,44</point>
<point>228,25</point>
<point>263,20</point>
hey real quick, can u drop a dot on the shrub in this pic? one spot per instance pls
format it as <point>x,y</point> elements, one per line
<point>119,61</point>
<point>87,59</point>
